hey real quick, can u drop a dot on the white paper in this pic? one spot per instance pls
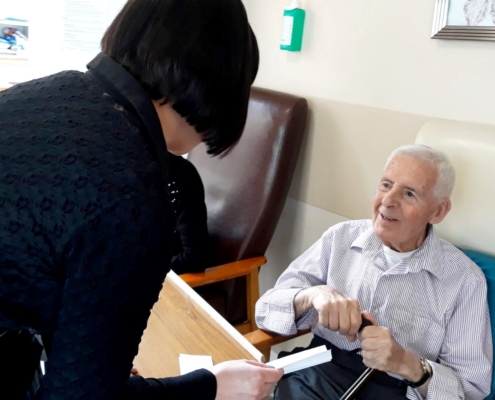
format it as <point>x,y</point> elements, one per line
<point>304,359</point>
<point>189,363</point>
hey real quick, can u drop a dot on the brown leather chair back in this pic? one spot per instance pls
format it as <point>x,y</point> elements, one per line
<point>246,190</point>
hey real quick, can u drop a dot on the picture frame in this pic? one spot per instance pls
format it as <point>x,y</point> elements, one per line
<point>464,20</point>
<point>14,38</point>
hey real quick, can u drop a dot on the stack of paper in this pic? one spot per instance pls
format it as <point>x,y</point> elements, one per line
<point>304,359</point>
<point>189,363</point>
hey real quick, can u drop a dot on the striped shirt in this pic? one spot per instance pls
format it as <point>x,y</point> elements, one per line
<point>434,303</point>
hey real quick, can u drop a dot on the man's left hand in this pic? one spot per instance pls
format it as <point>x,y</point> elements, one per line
<point>380,350</point>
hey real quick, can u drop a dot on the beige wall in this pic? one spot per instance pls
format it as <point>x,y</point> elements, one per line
<point>372,76</point>
<point>344,152</point>
<point>377,53</point>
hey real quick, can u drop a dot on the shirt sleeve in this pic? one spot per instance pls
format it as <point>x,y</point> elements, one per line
<point>113,269</point>
<point>464,366</point>
<point>275,309</point>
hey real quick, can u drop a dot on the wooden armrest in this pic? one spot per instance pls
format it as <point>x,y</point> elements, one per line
<point>262,339</point>
<point>223,272</point>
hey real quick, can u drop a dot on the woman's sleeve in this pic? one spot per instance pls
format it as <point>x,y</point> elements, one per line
<point>200,384</point>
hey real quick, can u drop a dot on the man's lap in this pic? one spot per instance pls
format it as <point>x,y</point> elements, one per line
<point>330,381</point>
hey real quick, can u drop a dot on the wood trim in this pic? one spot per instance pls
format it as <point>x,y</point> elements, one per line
<point>263,340</point>
<point>224,272</point>
<point>243,328</point>
<point>253,294</point>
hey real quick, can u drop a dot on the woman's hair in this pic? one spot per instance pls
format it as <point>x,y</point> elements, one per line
<point>199,56</point>
<point>446,173</point>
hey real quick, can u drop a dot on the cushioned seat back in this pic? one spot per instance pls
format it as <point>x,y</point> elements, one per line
<point>471,149</point>
<point>246,190</point>
<point>487,264</point>
<point>471,223</point>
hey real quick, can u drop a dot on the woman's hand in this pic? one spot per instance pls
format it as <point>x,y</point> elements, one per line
<point>245,380</point>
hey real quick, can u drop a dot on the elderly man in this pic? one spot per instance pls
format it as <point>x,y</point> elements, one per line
<point>431,335</point>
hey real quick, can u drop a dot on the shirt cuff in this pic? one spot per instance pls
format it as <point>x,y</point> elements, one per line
<point>280,316</point>
<point>443,384</point>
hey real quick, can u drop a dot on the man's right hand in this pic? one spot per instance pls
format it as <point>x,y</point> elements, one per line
<point>245,380</point>
<point>336,311</point>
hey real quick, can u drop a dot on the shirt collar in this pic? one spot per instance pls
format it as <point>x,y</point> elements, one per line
<point>427,257</point>
<point>124,88</point>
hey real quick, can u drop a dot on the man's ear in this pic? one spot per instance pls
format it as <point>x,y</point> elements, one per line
<point>442,211</point>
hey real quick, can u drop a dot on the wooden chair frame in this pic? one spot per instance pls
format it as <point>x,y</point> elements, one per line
<point>248,268</point>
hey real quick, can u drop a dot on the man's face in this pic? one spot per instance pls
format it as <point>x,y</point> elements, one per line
<point>405,203</point>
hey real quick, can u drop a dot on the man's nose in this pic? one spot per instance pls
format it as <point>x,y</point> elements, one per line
<point>390,199</point>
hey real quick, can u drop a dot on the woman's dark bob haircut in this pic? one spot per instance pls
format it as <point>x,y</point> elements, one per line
<point>200,56</point>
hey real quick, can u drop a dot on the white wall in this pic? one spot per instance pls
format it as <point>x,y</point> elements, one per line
<point>377,53</point>
<point>46,41</point>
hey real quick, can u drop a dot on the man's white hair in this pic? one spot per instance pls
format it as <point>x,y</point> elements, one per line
<point>445,170</point>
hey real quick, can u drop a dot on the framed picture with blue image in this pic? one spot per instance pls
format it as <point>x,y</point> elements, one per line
<point>464,20</point>
<point>14,38</point>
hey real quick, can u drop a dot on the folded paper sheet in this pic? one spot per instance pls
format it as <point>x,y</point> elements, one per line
<point>189,363</point>
<point>304,359</point>
<point>292,363</point>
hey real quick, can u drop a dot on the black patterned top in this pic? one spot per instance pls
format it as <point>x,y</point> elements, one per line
<point>187,195</point>
<point>86,229</point>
